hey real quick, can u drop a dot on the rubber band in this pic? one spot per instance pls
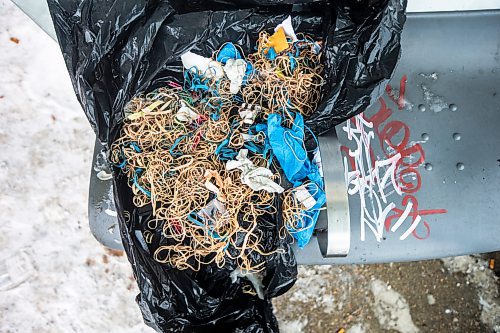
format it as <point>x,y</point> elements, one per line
<point>166,161</point>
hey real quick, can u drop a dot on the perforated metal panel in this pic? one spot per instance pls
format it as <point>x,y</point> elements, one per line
<point>450,113</point>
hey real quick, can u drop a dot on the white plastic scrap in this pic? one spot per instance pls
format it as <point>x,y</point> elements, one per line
<point>211,187</point>
<point>287,28</point>
<point>248,137</point>
<point>254,278</point>
<point>316,48</point>
<point>317,161</point>
<point>257,178</point>
<point>235,70</point>
<point>185,113</point>
<point>103,175</point>
<point>205,66</point>
<point>248,113</point>
<point>214,206</point>
<point>304,197</point>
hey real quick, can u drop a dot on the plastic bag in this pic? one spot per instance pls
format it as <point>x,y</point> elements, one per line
<point>117,49</point>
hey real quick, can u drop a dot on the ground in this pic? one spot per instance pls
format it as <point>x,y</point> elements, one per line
<point>450,295</point>
<point>55,277</point>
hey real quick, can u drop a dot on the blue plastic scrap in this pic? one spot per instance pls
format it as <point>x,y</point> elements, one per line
<point>271,53</point>
<point>288,146</point>
<point>224,152</point>
<point>228,51</point>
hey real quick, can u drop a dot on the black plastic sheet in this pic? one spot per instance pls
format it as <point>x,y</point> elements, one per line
<point>117,49</point>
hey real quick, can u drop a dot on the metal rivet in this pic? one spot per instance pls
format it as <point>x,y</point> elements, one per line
<point>428,166</point>
<point>425,136</point>
<point>460,166</point>
<point>457,136</point>
<point>453,107</point>
<point>421,107</point>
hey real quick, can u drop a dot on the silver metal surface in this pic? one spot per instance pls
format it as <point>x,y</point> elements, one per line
<point>334,240</point>
<point>38,11</point>
<point>103,220</point>
<point>451,108</point>
<point>419,6</point>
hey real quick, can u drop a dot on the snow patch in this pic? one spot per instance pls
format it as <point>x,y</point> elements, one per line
<point>436,103</point>
<point>315,286</point>
<point>293,326</point>
<point>391,309</point>
<point>486,285</point>
<point>358,328</point>
<point>432,76</point>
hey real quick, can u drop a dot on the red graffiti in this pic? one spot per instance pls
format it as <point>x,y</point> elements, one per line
<point>412,155</point>
<point>413,215</point>
<point>409,186</point>
<point>400,101</point>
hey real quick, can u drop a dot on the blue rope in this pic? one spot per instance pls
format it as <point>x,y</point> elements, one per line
<point>122,164</point>
<point>136,147</point>
<point>293,62</point>
<point>136,183</point>
<point>192,217</point>
<point>176,142</point>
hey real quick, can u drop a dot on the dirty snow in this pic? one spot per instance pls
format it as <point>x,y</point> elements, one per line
<point>485,282</point>
<point>293,326</point>
<point>435,102</point>
<point>357,328</point>
<point>329,295</point>
<point>72,283</point>
<point>391,308</point>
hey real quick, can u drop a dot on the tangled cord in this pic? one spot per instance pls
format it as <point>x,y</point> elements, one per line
<point>205,213</point>
<point>169,163</point>
<point>290,81</point>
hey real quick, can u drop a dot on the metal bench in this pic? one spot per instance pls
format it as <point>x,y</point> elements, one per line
<point>440,113</point>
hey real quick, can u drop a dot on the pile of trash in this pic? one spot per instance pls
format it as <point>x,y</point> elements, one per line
<point>224,154</point>
<point>216,169</point>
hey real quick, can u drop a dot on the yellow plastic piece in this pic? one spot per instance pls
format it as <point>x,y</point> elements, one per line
<point>141,113</point>
<point>152,106</point>
<point>278,41</point>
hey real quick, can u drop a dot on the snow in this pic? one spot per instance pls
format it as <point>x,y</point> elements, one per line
<point>486,285</point>
<point>315,287</point>
<point>391,309</point>
<point>293,326</point>
<point>72,284</point>
<point>357,328</point>
<point>435,102</point>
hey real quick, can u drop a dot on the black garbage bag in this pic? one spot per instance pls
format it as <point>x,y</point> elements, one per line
<point>117,49</point>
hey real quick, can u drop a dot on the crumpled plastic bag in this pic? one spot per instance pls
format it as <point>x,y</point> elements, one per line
<point>116,49</point>
<point>360,56</point>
